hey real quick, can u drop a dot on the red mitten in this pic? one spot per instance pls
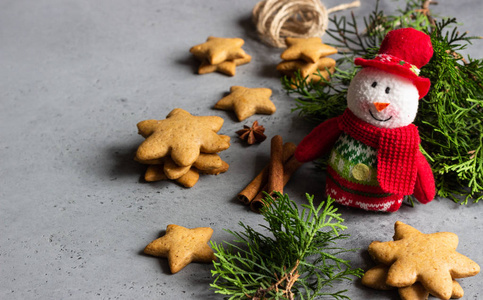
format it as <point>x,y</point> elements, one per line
<point>425,189</point>
<point>319,141</point>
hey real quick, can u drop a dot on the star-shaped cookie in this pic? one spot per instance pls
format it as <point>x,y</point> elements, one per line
<point>204,162</point>
<point>181,135</point>
<point>182,246</point>
<point>216,50</point>
<point>428,258</point>
<point>306,69</point>
<point>376,278</point>
<point>189,179</point>
<point>227,67</point>
<point>247,102</point>
<point>156,173</point>
<point>307,49</point>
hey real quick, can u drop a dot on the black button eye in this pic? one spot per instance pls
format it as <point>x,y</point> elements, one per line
<point>387,90</point>
<point>374,84</point>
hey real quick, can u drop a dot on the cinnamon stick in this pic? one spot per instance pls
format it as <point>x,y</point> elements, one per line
<point>289,168</point>
<point>252,189</point>
<point>275,167</point>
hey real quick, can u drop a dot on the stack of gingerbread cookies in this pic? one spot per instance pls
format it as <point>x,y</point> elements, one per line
<point>181,147</point>
<point>309,57</point>
<point>220,54</point>
<point>419,264</point>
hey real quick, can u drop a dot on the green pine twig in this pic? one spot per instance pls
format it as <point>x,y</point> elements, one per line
<point>297,259</point>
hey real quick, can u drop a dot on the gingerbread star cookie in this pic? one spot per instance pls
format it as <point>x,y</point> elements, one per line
<point>182,136</point>
<point>324,65</point>
<point>182,246</point>
<point>376,278</point>
<point>156,173</point>
<point>307,49</point>
<point>430,259</point>
<point>247,102</point>
<point>204,162</point>
<point>217,50</point>
<point>227,67</point>
<point>307,56</point>
<point>222,169</point>
<point>210,164</point>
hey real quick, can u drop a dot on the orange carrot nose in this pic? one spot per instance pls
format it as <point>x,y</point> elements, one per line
<point>380,106</point>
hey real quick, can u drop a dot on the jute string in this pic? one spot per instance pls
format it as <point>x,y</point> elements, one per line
<point>277,19</point>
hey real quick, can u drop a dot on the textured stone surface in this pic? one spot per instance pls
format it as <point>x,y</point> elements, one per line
<point>75,79</point>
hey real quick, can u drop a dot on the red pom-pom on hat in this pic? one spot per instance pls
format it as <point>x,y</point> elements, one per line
<point>403,52</point>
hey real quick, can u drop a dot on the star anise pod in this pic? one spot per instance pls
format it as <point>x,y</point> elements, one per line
<point>252,134</point>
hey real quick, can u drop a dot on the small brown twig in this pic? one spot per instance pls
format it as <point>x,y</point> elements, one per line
<point>290,278</point>
<point>427,12</point>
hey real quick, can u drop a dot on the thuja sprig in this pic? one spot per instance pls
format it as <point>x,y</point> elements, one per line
<point>350,39</point>
<point>318,102</point>
<point>297,258</point>
<point>449,117</point>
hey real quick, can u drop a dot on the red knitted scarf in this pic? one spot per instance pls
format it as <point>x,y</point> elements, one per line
<point>396,151</point>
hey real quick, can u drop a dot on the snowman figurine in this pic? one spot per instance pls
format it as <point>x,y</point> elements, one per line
<point>374,158</point>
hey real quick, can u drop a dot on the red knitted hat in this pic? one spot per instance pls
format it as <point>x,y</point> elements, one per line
<point>403,52</point>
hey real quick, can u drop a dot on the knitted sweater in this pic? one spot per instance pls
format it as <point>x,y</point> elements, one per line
<point>352,177</point>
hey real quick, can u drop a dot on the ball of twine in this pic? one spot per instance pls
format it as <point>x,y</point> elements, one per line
<point>277,19</point>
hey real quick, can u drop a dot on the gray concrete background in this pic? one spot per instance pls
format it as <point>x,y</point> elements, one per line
<point>76,77</point>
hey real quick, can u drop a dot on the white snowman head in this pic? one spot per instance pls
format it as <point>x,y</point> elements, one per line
<point>383,99</point>
<point>386,92</point>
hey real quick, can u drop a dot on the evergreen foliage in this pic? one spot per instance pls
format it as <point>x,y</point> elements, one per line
<point>297,259</point>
